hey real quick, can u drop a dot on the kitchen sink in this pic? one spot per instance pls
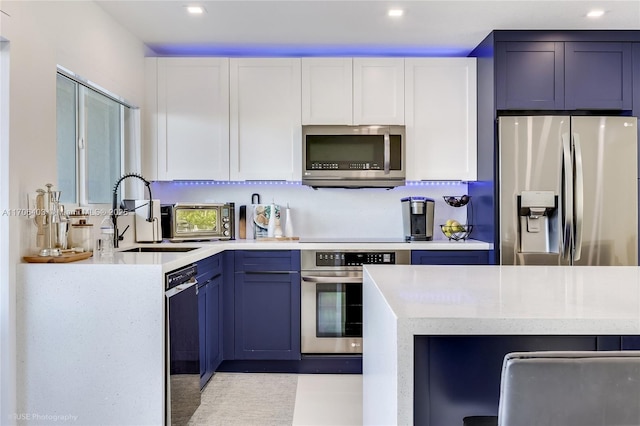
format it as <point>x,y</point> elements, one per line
<point>159,249</point>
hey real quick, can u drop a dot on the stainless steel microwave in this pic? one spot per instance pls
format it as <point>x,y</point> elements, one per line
<point>353,156</point>
<point>197,221</point>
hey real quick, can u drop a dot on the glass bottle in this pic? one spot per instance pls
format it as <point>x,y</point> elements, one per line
<point>104,243</point>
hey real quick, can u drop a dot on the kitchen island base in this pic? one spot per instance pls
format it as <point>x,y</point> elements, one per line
<point>434,337</point>
<point>459,376</point>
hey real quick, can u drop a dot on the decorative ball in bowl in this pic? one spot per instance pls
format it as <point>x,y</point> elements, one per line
<point>454,230</point>
<point>457,201</point>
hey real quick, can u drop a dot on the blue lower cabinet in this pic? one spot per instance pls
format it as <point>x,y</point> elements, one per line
<point>210,321</point>
<point>202,321</point>
<point>267,316</point>
<point>630,343</point>
<point>450,257</point>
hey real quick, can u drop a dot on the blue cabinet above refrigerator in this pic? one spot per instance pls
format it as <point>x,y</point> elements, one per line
<point>556,75</point>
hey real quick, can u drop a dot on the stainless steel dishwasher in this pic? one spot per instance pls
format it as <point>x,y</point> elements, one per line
<point>182,378</point>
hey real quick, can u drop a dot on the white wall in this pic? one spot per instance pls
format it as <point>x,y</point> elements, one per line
<point>327,212</point>
<point>43,34</point>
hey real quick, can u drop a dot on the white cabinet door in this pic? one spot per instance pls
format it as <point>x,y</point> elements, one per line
<point>378,91</point>
<point>441,123</point>
<point>265,132</point>
<point>149,148</point>
<point>327,91</point>
<point>193,118</point>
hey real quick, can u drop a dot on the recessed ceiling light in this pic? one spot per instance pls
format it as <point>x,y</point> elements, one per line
<point>195,10</point>
<point>395,12</point>
<point>595,13</point>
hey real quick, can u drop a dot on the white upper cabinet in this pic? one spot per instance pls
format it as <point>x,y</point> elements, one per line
<point>441,122</point>
<point>265,117</point>
<point>193,118</point>
<point>378,91</point>
<point>327,91</point>
<point>353,91</point>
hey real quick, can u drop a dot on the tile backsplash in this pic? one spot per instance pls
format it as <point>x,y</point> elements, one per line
<point>326,212</point>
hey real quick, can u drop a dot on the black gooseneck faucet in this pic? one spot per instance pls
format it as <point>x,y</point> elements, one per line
<point>114,205</point>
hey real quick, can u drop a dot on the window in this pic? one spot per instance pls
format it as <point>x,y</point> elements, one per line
<point>93,133</point>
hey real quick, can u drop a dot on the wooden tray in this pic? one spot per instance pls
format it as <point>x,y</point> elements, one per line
<point>63,258</point>
<point>272,239</point>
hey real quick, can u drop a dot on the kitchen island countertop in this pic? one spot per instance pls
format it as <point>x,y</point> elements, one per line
<point>402,302</point>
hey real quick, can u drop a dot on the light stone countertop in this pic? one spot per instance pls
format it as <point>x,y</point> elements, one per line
<point>174,260</point>
<point>403,301</point>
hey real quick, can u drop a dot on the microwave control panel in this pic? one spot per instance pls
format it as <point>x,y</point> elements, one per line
<point>345,165</point>
<point>334,258</point>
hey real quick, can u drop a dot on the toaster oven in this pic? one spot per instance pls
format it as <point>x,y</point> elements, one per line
<point>197,221</point>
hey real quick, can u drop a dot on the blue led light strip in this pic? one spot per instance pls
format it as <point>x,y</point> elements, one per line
<point>290,183</point>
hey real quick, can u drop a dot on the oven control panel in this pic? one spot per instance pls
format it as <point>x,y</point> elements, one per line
<point>336,258</point>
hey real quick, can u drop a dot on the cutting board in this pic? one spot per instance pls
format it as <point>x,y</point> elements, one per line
<point>267,239</point>
<point>63,258</point>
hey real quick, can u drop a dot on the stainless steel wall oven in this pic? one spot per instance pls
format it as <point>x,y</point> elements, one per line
<point>331,297</point>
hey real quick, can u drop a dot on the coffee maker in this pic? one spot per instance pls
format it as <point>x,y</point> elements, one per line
<point>417,218</point>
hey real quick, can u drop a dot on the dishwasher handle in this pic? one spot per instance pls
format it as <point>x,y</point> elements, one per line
<point>182,287</point>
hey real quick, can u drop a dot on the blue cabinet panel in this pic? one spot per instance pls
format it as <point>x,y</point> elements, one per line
<point>202,320</point>
<point>630,343</point>
<point>450,257</point>
<point>529,75</point>
<point>214,323</point>
<point>210,315</point>
<point>209,267</point>
<point>267,305</point>
<point>548,75</point>
<point>272,260</point>
<point>598,76</point>
<point>267,315</point>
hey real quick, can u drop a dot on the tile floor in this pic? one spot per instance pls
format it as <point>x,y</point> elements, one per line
<point>281,399</point>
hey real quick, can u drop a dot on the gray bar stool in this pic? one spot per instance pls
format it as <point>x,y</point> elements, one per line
<point>567,388</point>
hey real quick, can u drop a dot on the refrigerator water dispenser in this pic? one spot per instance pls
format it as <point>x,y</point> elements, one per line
<point>538,214</point>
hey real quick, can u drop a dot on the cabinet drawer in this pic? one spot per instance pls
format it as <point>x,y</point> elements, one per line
<point>449,257</point>
<point>209,268</point>
<point>267,260</point>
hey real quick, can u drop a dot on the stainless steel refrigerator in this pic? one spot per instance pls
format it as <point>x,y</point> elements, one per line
<point>568,190</point>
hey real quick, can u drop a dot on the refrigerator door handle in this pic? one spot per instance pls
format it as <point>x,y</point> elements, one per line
<point>578,195</point>
<point>567,197</point>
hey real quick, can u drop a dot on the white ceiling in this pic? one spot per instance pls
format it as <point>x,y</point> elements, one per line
<point>429,27</point>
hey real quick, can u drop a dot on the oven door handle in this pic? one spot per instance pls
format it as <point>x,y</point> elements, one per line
<point>331,280</point>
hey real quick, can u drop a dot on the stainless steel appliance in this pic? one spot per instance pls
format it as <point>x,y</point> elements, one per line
<point>353,156</point>
<point>417,218</point>
<point>331,297</point>
<point>182,395</point>
<point>197,221</point>
<point>568,190</point>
